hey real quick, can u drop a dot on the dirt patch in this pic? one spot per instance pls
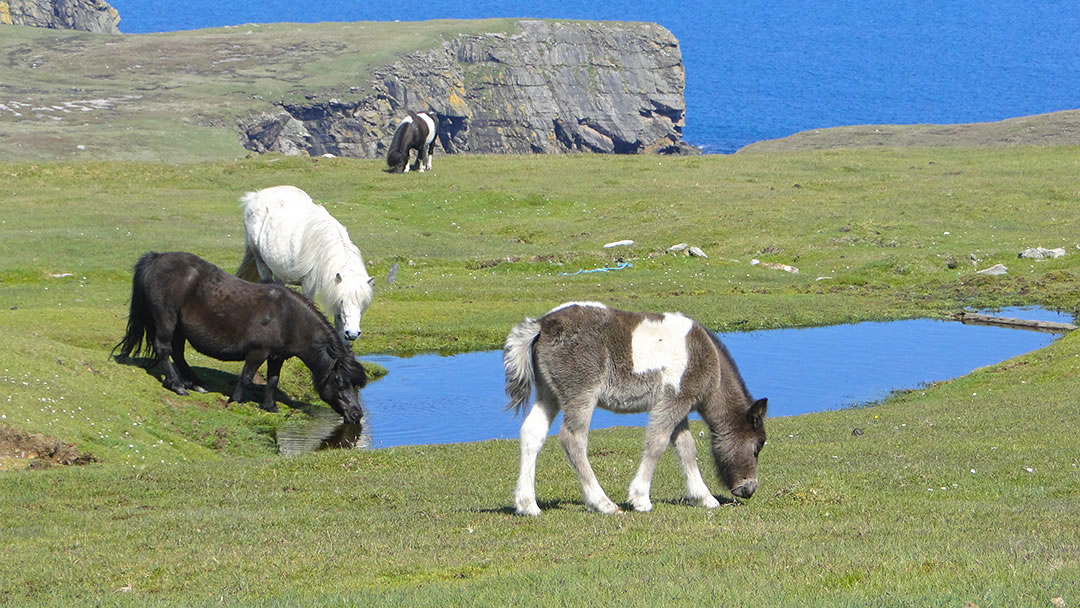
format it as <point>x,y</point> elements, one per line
<point>19,450</point>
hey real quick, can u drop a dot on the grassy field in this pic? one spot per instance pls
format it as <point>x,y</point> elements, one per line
<point>177,96</point>
<point>964,491</point>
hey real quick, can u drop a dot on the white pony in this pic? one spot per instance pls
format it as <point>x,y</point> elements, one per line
<point>289,238</point>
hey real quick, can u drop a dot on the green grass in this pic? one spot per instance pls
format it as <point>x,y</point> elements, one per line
<point>188,504</point>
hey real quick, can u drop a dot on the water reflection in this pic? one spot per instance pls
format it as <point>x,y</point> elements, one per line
<point>447,399</point>
<point>324,430</point>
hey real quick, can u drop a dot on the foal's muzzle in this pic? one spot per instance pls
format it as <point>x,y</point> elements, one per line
<point>746,490</point>
<point>352,335</point>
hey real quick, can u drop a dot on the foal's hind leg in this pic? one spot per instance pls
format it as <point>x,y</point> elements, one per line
<point>190,379</point>
<point>696,490</point>
<point>533,433</point>
<point>574,437</point>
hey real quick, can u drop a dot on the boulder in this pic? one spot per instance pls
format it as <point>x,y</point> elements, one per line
<point>1039,253</point>
<point>86,15</point>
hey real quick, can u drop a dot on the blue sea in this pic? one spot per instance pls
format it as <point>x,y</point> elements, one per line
<point>761,70</point>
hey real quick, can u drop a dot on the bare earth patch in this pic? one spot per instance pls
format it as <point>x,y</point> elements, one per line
<point>19,450</point>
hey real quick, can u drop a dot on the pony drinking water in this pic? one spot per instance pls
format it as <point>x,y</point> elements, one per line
<point>584,355</point>
<point>179,297</point>
<point>289,238</point>
<point>417,131</point>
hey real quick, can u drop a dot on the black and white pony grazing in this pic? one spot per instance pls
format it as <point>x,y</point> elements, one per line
<point>179,297</point>
<point>583,354</point>
<point>417,131</point>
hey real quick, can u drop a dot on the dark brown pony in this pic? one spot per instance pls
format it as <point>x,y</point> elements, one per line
<point>417,131</point>
<point>178,297</point>
<point>584,355</point>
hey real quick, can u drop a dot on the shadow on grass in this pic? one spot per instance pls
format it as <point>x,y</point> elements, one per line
<point>219,382</point>
<point>725,501</point>
<point>543,504</point>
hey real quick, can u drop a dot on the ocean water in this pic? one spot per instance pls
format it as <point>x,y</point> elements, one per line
<point>762,70</point>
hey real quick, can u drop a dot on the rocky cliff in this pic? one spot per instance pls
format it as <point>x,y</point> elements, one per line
<point>548,87</point>
<point>87,15</point>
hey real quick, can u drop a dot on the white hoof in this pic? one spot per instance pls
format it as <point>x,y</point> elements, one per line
<point>708,501</point>
<point>529,508</point>
<point>606,507</point>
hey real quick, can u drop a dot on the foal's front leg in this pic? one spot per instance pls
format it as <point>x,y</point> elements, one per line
<point>696,490</point>
<point>657,435</point>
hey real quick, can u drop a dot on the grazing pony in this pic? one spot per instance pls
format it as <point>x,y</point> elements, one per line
<point>288,238</point>
<point>417,131</point>
<point>584,355</point>
<point>178,297</point>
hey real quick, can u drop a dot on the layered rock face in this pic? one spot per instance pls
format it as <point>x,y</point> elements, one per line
<point>549,87</point>
<point>86,15</point>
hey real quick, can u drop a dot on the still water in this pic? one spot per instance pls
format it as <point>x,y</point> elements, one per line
<point>448,399</point>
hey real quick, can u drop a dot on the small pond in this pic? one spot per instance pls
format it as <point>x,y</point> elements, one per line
<point>429,399</point>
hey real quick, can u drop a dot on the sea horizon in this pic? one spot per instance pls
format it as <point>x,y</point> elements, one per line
<point>764,72</point>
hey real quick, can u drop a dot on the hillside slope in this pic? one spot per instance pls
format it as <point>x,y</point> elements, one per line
<point>1053,129</point>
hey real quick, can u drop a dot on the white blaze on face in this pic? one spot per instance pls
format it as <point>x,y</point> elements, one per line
<point>661,346</point>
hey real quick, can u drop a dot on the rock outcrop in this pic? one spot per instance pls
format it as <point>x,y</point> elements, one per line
<point>549,87</point>
<point>86,15</point>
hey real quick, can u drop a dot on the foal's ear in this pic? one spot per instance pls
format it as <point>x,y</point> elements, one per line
<point>756,414</point>
<point>337,278</point>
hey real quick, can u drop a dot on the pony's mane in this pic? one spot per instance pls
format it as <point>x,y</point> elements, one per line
<point>324,324</point>
<point>326,240</point>
<point>729,372</point>
<point>330,352</point>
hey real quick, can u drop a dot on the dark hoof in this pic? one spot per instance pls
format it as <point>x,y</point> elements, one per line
<point>272,408</point>
<point>179,390</point>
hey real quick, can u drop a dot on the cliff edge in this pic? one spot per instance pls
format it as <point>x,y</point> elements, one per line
<point>549,87</point>
<point>85,15</point>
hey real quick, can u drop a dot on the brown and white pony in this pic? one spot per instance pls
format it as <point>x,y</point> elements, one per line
<point>584,355</point>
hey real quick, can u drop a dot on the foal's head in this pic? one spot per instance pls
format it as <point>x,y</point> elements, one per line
<point>736,448</point>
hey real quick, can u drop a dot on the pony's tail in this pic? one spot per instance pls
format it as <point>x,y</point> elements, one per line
<point>248,270</point>
<point>517,360</point>
<point>140,326</point>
